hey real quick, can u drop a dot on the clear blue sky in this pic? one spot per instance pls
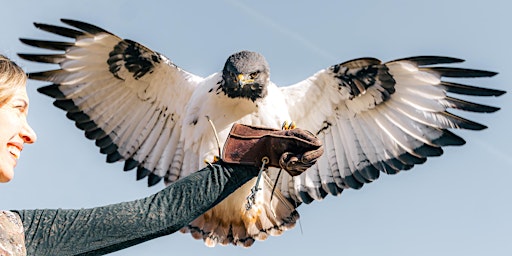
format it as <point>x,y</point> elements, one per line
<point>456,204</point>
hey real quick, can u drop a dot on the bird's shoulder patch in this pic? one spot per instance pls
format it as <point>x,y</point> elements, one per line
<point>137,59</point>
<point>357,75</point>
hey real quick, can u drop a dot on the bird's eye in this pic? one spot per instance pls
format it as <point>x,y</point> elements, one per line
<point>253,75</point>
<point>232,76</point>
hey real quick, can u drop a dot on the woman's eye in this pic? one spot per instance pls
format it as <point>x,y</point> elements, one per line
<point>20,107</point>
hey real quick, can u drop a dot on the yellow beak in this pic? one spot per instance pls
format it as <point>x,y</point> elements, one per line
<point>243,81</point>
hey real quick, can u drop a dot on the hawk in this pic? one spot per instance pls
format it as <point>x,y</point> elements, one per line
<point>139,107</point>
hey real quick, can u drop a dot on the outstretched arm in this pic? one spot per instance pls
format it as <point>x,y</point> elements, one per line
<point>102,230</point>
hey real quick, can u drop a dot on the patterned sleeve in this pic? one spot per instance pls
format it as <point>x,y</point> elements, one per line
<point>12,240</point>
<point>101,230</point>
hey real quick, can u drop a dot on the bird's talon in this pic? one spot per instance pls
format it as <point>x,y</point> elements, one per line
<point>288,125</point>
<point>216,159</point>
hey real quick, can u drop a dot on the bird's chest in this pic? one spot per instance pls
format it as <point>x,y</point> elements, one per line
<point>224,112</point>
<point>265,112</point>
<point>258,114</point>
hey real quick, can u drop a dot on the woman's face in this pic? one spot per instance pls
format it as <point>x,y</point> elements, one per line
<point>14,132</point>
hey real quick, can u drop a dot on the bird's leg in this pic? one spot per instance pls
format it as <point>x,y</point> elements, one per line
<point>251,198</point>
<point>216,159</point>
<point>288,125</point>
<point>275,184</point>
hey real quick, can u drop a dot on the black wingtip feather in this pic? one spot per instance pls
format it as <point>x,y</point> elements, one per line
<point>333,189</point>
<point>305,197</point>
<point>449,139</point>
<point>469,106</point>
<point>104,142</point>
<point>430,60</point>
<point>411,160</point>
<point>50,45</point>
<point>62,31</point>
<point>386,168</point>
<point>114,157</point>
<point>95,134</point>
<point>78,116</point>
<point>129,164</point>
<point>463,123</point>
<point>142,172</point>
<point>66,104</point>
<point>352,182</point>
<point>43,58</point>
<point>46,75</point>
<point>51,91</point>
<point>470,90</point>
<point>359,177</point>
<point>110,149</point>
<point>397,165</point>
<point>427,150</point>
<point>89,125</point>
<point>370,173</point>
<point>460,72</point>
<point>153,179</point>
<point>84,26</point>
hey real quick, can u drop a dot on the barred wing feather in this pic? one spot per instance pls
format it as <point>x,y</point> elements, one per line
<point>378,117</point>
<point>114,89</point>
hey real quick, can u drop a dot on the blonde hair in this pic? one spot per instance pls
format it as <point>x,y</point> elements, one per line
<point>12,77</point>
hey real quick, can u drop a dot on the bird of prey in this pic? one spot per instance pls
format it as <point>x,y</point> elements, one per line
<point>373,117</point>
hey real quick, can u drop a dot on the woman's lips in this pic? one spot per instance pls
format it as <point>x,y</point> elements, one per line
<point>15,149</point>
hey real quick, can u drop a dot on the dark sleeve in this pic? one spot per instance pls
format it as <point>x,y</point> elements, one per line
<point>102,230</point>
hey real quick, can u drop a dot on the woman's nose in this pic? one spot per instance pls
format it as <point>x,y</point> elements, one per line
<point>28,134</point>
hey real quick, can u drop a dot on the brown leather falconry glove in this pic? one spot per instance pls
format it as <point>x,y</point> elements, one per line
<point>293,150</point>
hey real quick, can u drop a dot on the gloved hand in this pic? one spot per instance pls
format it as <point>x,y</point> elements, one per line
<point>293,150</point>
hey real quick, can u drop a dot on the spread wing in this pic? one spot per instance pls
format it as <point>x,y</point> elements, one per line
<point>378,117</point>
<point>126,97</point>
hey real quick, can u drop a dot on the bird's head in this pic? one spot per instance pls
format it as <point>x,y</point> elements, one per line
<point>246,75</point>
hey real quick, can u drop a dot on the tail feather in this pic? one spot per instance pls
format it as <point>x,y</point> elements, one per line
<point>230,222</point>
